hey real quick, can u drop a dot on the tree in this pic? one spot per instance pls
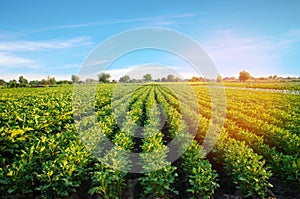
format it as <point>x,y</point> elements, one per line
<point>124,79</point>
<point>43,82</point>
<point>244,76</point>
<point>147,77</point>
<point>65,82</point>
<point>163,79</point>
<point>219,78</point>
<point>75,78</point>
<point>2,82</point>
<point>177,79</point>
<point>198,79</point>
<point>23,82</point>
<point>133,80</point>
<point>34,83</point>
<point>13,84</point>
<point>170,78</point>
<point>89,80</point>
<point>104,77</point>
<point>52,81</point>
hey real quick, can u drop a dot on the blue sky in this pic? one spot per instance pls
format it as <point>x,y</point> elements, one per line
<point>41,38</point>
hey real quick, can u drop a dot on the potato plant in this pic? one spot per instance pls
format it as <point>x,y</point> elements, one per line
<point>200,177</point>
<point>50,138</point>
<point>159,173</point>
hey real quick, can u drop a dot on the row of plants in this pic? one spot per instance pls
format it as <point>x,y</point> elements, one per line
<point>239,161</point>
<point>274,108</point>
<point>159,175</point>
<point>198,173</point>
<point>41,154</point>
<point>109,180</point>
<point>285,141</point>
<point>277,109</point>
<point>285,166</point>
<point>269,85</point>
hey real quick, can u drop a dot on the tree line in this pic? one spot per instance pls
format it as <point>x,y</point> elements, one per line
<point>23,82</point>
<point>148,78</point>
<point>105,78</point>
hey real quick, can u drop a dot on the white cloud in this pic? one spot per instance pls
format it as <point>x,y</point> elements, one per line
<point>261,56</point>
<point>9,60</point>
<point>162,20</point>
<point>71,66</point>
<point>117,73</point>
<point>8,50</point>
<point>24,45</point>
<point>232,53</point>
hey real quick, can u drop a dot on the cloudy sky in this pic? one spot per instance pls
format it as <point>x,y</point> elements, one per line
<point>41,38</point>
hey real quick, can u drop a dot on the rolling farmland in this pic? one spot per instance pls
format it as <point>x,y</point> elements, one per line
<point>49,142</point>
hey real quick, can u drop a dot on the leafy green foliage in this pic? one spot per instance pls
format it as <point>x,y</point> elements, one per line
<point>201,177</point>
<point>42,155</point>
<point>54,165</point>
<point>247,169</point>
<point>159,174</point>
<point>108,182</point>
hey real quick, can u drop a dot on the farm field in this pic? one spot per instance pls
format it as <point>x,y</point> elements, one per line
<point>49,143</point>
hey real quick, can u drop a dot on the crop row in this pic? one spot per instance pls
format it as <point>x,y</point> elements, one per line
<point>199,176</point>
<point>43,153</point>
<point>285,166</point>
<point>238,159</point>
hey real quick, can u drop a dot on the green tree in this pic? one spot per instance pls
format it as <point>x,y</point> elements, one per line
<point>133,80</point>
<point>43,82</point>
<point>52,81</point>
<point>104,77</point>
<point>244,76</point>
<point>147,77</point>
<point>124,79</point>
<point>13,84</point>
<point>170,78</point>
<point>65,82</point>
<point>34,83</point>
<point>89,80</point>
<point>23,82</point>
<point>75,79</point>
<point>2,82</point>
<point>177,79</point>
